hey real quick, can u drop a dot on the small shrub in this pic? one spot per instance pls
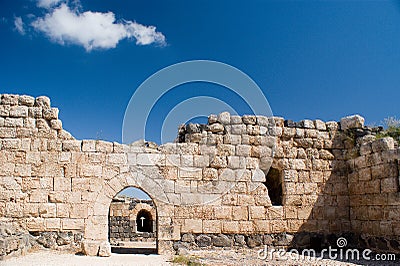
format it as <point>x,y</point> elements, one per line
<point>392,129</point>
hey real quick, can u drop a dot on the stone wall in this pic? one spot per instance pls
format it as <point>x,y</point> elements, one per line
<point>210,182</point>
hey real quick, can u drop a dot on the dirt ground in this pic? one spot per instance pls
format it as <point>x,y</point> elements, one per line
<point>216,257</point>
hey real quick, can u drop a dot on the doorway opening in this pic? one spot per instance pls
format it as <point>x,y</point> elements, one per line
<point>132,223</point>
<point>274,185</point>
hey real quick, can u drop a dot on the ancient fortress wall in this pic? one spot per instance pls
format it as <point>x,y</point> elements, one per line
<point>213,187</point>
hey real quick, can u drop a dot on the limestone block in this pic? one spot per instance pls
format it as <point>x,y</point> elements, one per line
<point>62,184</point>
<point>22,170</point>
<point>223,212</point>
<point>119,158</point>
<point>51,113</point>
<point>230,227</point>
<point>9,99</point>
<point>275,212</point>
<point>245,200</point>
<point>257,212</point>
<point>219,162</point>
<point>191,198</point>
<point>42,101</point>
<point>210,174</point>
<point>249,119</point>
<point>35,224</point>
<point>38,195</point>
<point>72,224</point>
<point>226,174</point>
<point>278,226</point>
<point>224,118</point>
<point>320,125</point>
<point>235,119</point>
<point>383,144</point>
<point>186,160</point>
<point>252,163</point>
<point>89,145</point>
<point>18,111</point>
<point>240,213</point>
<point>151,159</point>
<point>52,223</point>
<point>104,146</point>
<point>47,210</point>
<point>35,112</point>
<point>389,185</point>
<point>13,122</point>
<point>212,119</point>
<point>190,173</point>
<point>105,249</point>
<point>225,149</point>
<point>353,121</point>
<point>78,211</point>
<point>192,226</point>
<point>31,209</point>
<point>71,145</point>
<point>212,226</point>
<point>238,129</point>
<point>216,128</point>
<point>26,100</point>
<point>262,226</point>
<point>258,176</point>
<point>253,130</point>
<point>90,247</point>
<point>307,123</point>
<point>243,150</point>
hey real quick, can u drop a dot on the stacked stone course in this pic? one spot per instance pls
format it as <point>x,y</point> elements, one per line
<point>336,179</point>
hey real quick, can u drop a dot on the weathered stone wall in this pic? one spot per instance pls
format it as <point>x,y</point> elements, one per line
<point>374,194</point>
<point>210,182</point>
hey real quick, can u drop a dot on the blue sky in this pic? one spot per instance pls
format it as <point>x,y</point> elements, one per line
<point>312,59</point>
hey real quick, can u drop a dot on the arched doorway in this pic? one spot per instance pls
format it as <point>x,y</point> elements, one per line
<point>144,221</point>
<point>132,222</point>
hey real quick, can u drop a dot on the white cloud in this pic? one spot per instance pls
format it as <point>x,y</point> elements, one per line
<point>19,25</point>
<point>93,30</point>
<point>48,3</point>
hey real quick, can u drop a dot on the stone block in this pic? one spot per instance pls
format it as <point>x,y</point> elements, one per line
<point>258,176</point>
<point>212,226</point>
<point>13,122</point>
<point>35,112</point>
<point>105,249</point>
<point>223,212</point>
<point>350,122</point>
<point>51,113</point>
<point>240,213</point>
<point>52,224</point>
<point>230,227</point>
<point>117,158</point>
<point>72,224</point>
<point>192,226</point>
<point>71,145</point>
<point>90,247</point>
<point>383,144</point>
<point>18,111</point>
<point>257,212</point>
<point>224,118</point>
<point>42,101</point>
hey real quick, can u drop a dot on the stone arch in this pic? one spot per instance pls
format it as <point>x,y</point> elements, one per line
<point>96,225</point>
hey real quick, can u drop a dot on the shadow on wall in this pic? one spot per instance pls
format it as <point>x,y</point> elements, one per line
<point>358,197</point>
